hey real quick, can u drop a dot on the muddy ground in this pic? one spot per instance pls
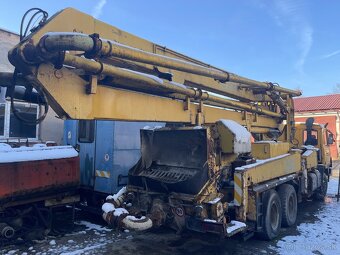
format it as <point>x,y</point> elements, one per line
<point>317,232</point>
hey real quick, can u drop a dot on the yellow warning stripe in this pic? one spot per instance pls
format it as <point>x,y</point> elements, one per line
<point>104,174</point>
<point>237,199</point>
<point>238,189</point>
<point>237,180</point>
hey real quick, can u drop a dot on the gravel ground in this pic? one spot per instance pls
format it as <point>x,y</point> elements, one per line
<point>317,232</point>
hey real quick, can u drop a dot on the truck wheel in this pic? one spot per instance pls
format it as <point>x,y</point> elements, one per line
<point>288,199</point>
<point>272,215</point>
<point>321,192</point>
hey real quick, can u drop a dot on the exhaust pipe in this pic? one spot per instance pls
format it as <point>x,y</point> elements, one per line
<point>6,231</point>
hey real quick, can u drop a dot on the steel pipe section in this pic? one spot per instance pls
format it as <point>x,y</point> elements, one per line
<point>155,82</point>
<point>92,45</point>
<point>54,42</point>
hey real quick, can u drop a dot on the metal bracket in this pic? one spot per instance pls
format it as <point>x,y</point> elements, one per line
<point>91,88</point>
<point>200,116</point>
<point>187,104</point>
<point>247,117</point>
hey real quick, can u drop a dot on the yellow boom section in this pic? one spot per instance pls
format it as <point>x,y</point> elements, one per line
<point>91,70</point>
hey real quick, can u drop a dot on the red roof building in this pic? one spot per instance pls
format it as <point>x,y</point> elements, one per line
<point>324,109</point>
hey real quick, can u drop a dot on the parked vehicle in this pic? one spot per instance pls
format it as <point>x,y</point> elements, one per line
<point>229,159</point>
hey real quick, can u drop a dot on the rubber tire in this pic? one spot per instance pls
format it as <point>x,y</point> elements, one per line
<point>321,192</point>
<point>271,198</point>
<point>287,192</point>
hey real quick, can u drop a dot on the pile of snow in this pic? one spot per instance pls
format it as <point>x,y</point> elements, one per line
<point>310,147</point>
<point>53,242</point>
<point>267,141</point>
<point>210,220</point>
<point>92,226</point>
<point>149,76</point>
<point>214,201</point>
<point>235,225</point>
<point>5,147</point>
<point>108,207</point>
<point>178,84</point>
<point>119,211</point>
<point>242,137</point>
<point>133,218</point>
<point>9,154</point>
<point>39,145</point>
<point>152,128</point>
<point>307,153</point>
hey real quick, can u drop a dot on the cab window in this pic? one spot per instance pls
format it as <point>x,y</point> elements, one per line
<point>312,140</point>
<point>86,131</point>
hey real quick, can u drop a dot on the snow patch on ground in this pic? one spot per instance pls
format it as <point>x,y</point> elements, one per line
<point>88,245</point>
<point>91,226</point>
<point>320,237</point>
<point>53,242</point>
<point>83,250</point>
<point>12,252</point>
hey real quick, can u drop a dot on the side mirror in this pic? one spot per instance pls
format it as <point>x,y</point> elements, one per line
<point>330,139</point>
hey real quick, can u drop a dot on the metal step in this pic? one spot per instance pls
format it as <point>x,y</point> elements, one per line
<point>235,227</point>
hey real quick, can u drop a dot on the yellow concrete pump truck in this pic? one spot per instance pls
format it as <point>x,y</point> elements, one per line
<point>230,158</point>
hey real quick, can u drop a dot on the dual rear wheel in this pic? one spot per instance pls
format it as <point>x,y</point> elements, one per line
<point>280,208</point>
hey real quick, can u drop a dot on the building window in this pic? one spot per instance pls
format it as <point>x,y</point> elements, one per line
<point>86,131</point>
<point>13,128</point>
<point>17,128</point>
<point>2,119</point>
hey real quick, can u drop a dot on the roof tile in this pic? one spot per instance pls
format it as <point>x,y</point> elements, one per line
<point>317,103</point>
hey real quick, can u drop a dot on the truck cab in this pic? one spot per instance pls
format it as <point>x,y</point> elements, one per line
<point>316,135</point>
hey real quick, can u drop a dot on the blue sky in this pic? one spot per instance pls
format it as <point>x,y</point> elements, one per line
<point>293,43</point>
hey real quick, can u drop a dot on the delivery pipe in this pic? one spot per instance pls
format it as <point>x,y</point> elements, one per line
<point>94,46</point>
<point>155,82</point>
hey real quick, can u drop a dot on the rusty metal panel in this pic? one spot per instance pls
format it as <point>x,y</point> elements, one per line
<point>26,178</point>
